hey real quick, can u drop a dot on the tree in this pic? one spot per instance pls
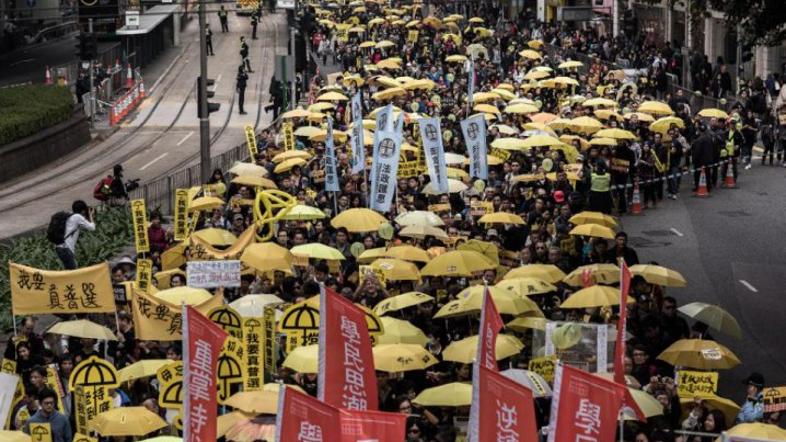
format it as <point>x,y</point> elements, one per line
<point>763,22</point>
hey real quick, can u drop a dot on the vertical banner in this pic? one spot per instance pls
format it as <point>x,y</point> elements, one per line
<point>619,345</point>
<point>269,347</point>
<point>253,340</point>
<point>139,217</point>
<point>377,426</point>
<point>303,418</point>
<point>144,274</point>
<point>506,409</point>
<point>358,147</point>
<point>474,130</point>
<point>251,141</point>
<point>346,363</point>
<point>202,342</point>
<point>431,136</point>
<point>584,407</point>
<point>181,214</point>
<point>384,169</point>
<point>8,387</point>
<point>288,132</point>
<point>331,174</point>
<point>486,357</point>
<point>470,81</point>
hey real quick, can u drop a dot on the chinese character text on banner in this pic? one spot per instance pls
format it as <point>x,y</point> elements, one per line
<point>85,290</point>
<point>431,134</point>
<point>474,130</point>
<point>358,148</point>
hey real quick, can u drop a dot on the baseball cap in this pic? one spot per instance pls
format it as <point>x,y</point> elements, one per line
<point>755,379</point>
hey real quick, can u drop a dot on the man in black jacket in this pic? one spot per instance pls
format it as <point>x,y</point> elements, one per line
<point>702,154</point>
<point>242,79</point>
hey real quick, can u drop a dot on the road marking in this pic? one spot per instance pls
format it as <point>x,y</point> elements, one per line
<point>188,135</point>
<point>676,232</point>
<point>26,60</point>
<point>154,160</point>
<point>748,286</point>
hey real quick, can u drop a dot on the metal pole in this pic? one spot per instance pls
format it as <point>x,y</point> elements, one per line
<point>204,120</point>
<point>292,34</point>
<point>92,78</point>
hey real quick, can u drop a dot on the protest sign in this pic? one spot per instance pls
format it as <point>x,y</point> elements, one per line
<point>157,320</point>
<point>144,275</point>
<point>181,215</point>
<point>211,274</point>
<point>251,141</point>
<point>139,219</point>
<point>774,399</point>
<point>544,366</point>
<point>85,290</point>
<point>692,384</point>
<point>90,382</point>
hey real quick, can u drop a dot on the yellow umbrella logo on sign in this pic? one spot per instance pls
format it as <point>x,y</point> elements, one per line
<point>228,319</point>
<point>230,368</point>
<point>170,380</point>
<point>93,372</point>
<point>41,432</point>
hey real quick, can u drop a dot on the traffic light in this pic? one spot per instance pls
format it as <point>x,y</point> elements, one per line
<point>87,46</point>
<point>211,107</point>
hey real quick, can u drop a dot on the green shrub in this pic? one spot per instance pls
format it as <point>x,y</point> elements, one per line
<point>114,232</point>
<point>26,110</point>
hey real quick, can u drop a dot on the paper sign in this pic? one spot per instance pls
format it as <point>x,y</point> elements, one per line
<point>181,214</point>
<point>691,384</point>
<point>544,366</point>
<point>269,344</point>
<point>289,135</point>
<point>144,274</point>
<point>41,432</point>
<point>253,337</point>
<point>210,274</point>
<point>774,399</point>
<point>85,290</point>
<point>251,141</point>
<point>139,218</point>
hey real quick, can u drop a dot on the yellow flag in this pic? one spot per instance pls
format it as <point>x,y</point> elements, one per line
<point>139,218</point>
<point>156,320</point>
<point>85,290</point>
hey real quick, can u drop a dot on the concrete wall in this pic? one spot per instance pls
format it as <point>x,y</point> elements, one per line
<point>49,145</point>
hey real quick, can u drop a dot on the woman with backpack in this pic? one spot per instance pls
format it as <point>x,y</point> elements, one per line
<point>64,229</point>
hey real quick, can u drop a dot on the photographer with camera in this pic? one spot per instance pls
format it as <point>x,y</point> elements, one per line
<point>63,231</point>
<point>112,189</point>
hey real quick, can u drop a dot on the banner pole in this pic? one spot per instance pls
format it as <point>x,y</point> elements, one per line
<point>622,425</point>
<point>13,321</point>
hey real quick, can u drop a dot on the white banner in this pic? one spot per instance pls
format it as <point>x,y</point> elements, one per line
<point>384,169</point>
<point>358,149</point>
<point>470,81</point>
<point>331,175</point>
<point>7,388</point>
<point>431,134</point>
<point>211,274</point>
<point>474,130</point>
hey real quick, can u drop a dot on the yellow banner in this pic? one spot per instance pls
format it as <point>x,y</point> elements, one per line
<point>253,341</point>
<point>144,275</point>
<point>228,319</point>
<point>85,290</point>
<point>289,135</point>
<point>203,251</point>
<point>693,384</point>
<point>181,214</point>
<point>251,141</point>
<point>79,437</point>
<point>41,432</point>
<point>156,320</point>
<point>544,366</point>
<point>269,352</point>
<point>230,368</point>
<point>139,217</point>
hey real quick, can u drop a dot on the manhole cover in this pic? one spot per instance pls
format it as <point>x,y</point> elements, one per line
<point>640,242</point>
<point>734,213</point>
<point>657,232</point>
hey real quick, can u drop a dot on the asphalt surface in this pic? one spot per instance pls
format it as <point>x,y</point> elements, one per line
<point>730,249</point>
<point>169,138</point>
<point>29,64</point>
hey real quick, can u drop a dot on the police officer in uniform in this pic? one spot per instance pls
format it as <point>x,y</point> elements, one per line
<point>254,21</point>
<point>222,15</point>
<point>209,39</point>
<point>244,54</point>
<point>242,79</point>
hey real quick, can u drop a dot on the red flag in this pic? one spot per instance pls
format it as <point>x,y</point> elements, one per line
<point>202,342</point>
<point>584,407</point>
<point>346,364</point>
<point>507,409</point>
<point>374,426</point>
<point>619,346</point>
<point>304,418</point>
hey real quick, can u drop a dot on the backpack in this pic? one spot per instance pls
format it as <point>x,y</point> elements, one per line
<point>55,233</point>
<point>103,189</point>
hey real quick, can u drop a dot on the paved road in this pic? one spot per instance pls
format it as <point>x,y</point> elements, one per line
<point>150,150</point>
<point>730,249</point>
<point>29,64</point>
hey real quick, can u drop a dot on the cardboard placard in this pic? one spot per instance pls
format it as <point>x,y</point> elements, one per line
<point>692,384</point>
<point>211,274</point>
<point>544,366</point>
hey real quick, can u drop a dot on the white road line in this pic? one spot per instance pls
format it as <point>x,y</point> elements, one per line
<point>676,232</point>
<point>154,160</point>
<point>188,135</point>
<point>749,286</point>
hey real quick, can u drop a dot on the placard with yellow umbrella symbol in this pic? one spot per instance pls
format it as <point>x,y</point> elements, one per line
<point>229,369</point>
<point>228,319</point>
<point>90,381</point>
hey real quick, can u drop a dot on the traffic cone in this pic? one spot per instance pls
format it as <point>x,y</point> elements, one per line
<point>129,77</point>
<point>729,181</point>
<point>635,202</point>
<point>48,76</point>
<point>702,190</point>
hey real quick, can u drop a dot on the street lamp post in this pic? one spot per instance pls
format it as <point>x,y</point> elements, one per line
<point>204,115</point>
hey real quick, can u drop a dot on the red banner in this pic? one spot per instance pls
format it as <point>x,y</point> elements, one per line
<point>304,418</point>
<point>622,324</point>
<point>346,364</point>
<point>490,325</point>
<point>202,342</point>
<point>374,426</point>
<point>584,408</point>
<point>507,409</point>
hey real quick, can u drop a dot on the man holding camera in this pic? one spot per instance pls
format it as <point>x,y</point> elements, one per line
<point>81,218</point>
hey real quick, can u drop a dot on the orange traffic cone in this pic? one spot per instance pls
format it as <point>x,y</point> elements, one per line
<point>635,202</point>
<point>48,76</point>
<point>702,190</point>
<point>129,77</point>
<point>729,181</point>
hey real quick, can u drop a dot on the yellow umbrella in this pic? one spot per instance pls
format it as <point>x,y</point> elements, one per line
<point>320,106</point>
<point>605,114</point>
<point>526,286</point>
<point>543,117</point>
<point>594,296</point>
<point>504,129</point>
<point>388,94</point>
<point>304,359</point>
<point>535,44</point>
<point>384,44</point>
<point>480,97</point>
<point>398,331</point>
<point>542,141</point>
<point>504,93</point>
<point>422,83</point>
<point>646,118</point>
<point>663,124</point>
<point>316,117</point>
<point>241,168</point>
<point>398,358</point>
<point>530,54</point>
<point>501,218</point>
<point>302,212</point>
<point>533,75</point>
<point>465,350</point>
<point>617,134</point>
<point>408,253</point>
<point>307,131</point>
<point>215,236</point>
<point>646,402</point>
<point>601,274</point>
<point>180,295</point>
<point>287,165</point>
<point>456,58</point>
<point>568,139</point>
<point>338,135</point>
<point>655,108</point>
<point>714,316</point>
<point>376,21</point>
<point>402,301</point>
<point>655,274</point>
<point>599,101</point>
<point>256,402</point>
<point>570,64</point>
<point>205,203</point>
<point>521,108</point>
<point>457,263</point>
<point>317,251</point>
<point>758,431</point>
<point>521,324</point>
<point>509,143</point>
<point>397,269</point>
<point>358,220</point>
<point>486,108</point>
<point>371,254</point>
<point>296,113</point>
<point>713,113</point>
<point>332,96</point>
<point>253,305</point>
<point>455,394</point>
<point>388,64</point>
<point>254,181</point>
<point>470,300</point>
<point>588,217</point>
<point>586,125</point>
<point>416,217</point>
<point>82,328</point>
<point>729,408</point>
<point>14,436</point>
<point>266,257</point>
<point>699,354</point>
<point>421,231</point>
<point>566,81</point>
<point>127,421</point>
<point>367,44</point>
<point>547,272</point>
<point>141,369</point>
<point>454,186</point>
<point>593,230</point>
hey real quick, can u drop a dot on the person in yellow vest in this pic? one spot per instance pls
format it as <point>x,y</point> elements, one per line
<point>600,189</point>
<point>732,145</point>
